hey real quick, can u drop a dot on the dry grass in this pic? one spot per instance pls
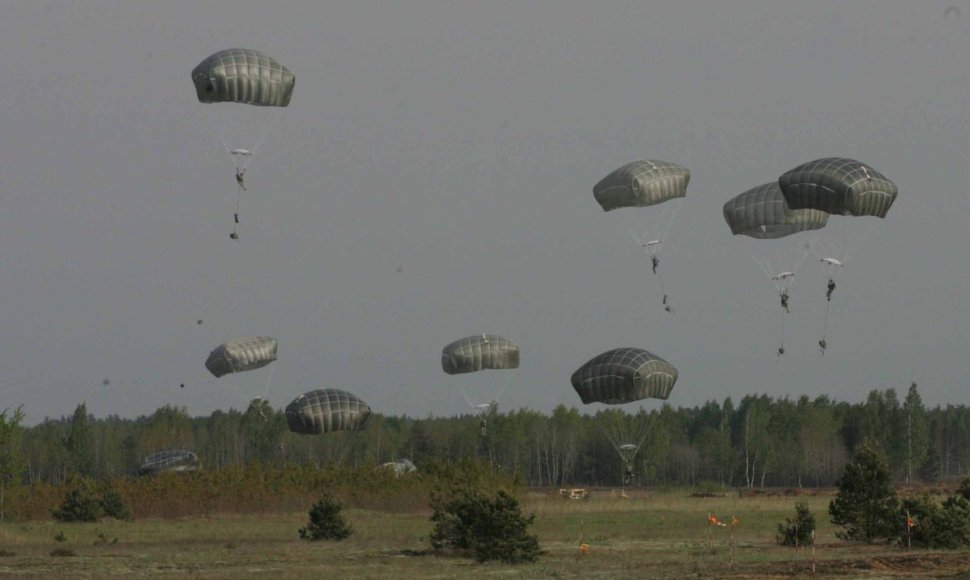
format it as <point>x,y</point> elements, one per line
<point>649,535</point>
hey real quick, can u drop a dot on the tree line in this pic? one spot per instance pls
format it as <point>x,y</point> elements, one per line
<point>759,441</point>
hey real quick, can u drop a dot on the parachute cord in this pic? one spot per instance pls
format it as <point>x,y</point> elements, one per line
<point>505,385</point>
<point>663,292</point>
<point>344,446</point>
<point>781,343</point>
<point>461,390</point>
<point>269,381</point>
<point>825,324</point>
<point>235,215</point>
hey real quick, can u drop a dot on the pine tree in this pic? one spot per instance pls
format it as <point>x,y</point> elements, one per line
<point>79,443</point>
<point>866,505</point>
<point>917,432</point>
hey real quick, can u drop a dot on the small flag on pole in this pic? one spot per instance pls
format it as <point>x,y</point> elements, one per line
<point>713,521</point>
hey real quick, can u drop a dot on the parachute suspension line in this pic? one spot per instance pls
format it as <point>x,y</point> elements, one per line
<point>235,215</point>
<point>461,389</point>
<point>269,381</point>
<point>667,215</point>
<point>781,341</point>
<point>651,247</point>
<point>620,435</point>
<point>664,301</point>
<point>823,344</point>
<point>504,387</point>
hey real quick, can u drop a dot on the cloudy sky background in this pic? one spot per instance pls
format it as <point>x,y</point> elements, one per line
<point>432,179</point>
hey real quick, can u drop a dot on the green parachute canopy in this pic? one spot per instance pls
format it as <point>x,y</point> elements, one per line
<point>241,75</point>
<point>479,352</point>
<point>241,354</point>
<point>642,183</point>
<point>763,213</point>
<point>325,411</point>
<point>624,375</point>
<point>171,460</point>
<point>840,186</point>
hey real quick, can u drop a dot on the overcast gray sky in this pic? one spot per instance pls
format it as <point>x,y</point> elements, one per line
<point>459,142</point>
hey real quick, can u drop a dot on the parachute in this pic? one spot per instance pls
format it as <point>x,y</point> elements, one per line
<point>246,77</point>
<point>840,186</point>
<point>326,411</point>
<point>762,213</point>
<point>640,184</point>
<point>477,353</point>
<point>399,467</point>
<point>624,375</point>
<point>172,460</point>
<point>241,354</point>
<point>618,376</point>
<point>241,75</point>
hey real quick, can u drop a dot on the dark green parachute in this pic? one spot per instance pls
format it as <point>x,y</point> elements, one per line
<point>624,375</point>
<point>763,213</point>
<point>642,183</point>
<point>479,352</point>
<point>326,410</point>
<point>172,460</point>
<point>241,354</point>
<point>840,186</point>
<point>241,75</point>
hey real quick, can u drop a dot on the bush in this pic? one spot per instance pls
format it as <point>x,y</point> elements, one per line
<point>797,531</point>
<point>866,505</point>
<point>326,521</point>
<point>491,528</point>
<point>938,526</point>
<point>113,503</point>
<point>82,503</point>
<point>88,501</point>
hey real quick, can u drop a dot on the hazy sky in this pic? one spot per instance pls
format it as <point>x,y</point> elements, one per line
<point>432,178</point>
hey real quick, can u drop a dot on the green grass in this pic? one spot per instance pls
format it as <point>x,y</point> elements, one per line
<point>650,535</point>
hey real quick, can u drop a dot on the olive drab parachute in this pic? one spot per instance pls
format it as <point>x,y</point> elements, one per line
<point>479,352</point>
<point>840,186</point>
<point>241,354</point>
<point>241,75</point>
<point>399,467</point>
<point>642,183</point>
<point>325,411</point>
<point>763,213</point>
<point>172,460</point>
<point>624,375</point>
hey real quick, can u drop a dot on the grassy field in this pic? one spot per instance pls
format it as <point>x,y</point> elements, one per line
<point>648,535</point>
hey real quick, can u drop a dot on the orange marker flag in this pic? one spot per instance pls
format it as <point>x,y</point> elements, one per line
<point>910,523</point>
<point>713,521</point>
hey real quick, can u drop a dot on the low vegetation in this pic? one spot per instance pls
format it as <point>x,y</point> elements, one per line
<point>326,521</point>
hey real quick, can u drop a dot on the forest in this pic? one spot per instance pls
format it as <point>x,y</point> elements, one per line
<point>760,441</point>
